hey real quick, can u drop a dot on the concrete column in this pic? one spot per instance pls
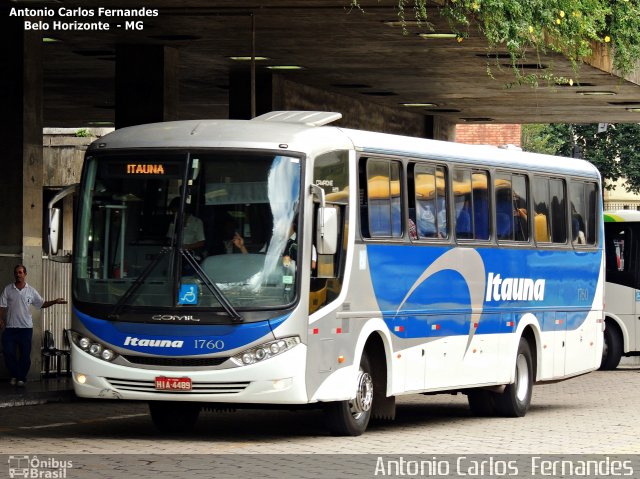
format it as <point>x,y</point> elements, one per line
<point>21,179</point>
<point>240,93</point>
<point>146,84</point>
<point>443,129</point>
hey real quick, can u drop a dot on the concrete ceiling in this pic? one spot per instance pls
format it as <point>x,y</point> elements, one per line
<point>349,52</point>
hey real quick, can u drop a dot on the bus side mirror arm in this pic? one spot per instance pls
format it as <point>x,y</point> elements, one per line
<point>327,224</point>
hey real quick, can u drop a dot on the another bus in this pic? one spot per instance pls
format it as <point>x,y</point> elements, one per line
<point>622,289</point>
<point>335,269</point>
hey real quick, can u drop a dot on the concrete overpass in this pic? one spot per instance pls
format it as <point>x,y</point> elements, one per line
<point>66,63</point>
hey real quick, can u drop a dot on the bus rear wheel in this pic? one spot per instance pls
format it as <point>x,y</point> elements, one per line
<point>350,418</point>
<point>514,401</point>
<point>174,417</point>
<point>612,348</point>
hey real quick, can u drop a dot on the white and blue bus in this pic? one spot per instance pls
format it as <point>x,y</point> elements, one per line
<point>622,289</point>
<point>321,266</point>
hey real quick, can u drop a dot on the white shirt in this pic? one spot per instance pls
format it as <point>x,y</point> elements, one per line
<point>17,302</point>
<point>193,231</point>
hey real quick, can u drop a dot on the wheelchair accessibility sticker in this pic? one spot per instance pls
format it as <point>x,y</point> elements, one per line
<point>188,294</point>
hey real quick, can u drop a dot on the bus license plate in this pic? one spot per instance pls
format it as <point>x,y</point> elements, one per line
<point>173,384</point>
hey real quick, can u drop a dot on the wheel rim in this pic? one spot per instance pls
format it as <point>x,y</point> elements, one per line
<point>605,347</point>
<point>364,395</point>
<point>522,377</point>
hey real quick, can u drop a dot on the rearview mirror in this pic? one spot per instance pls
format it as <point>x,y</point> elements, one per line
<point>54,228</point>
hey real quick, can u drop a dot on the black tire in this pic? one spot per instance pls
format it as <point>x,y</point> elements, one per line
<point>174,417</point>
<point>350,418</point>
<point>481,402</point>
<point>612,350</point>
<point>514,401</point>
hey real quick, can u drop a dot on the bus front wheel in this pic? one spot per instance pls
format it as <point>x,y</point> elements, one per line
<point>514,401</point>
<point>174,417</point>
<point>350,418</point>
<point>612,349</point>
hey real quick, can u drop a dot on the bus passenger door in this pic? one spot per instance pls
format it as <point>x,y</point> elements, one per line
<point>555,327</point>
<point>581,353</point>
<point>635,325</point>
<point>481,362</point>
<point>622,289</point>
<point>414,368</point>
<point>444,352</point>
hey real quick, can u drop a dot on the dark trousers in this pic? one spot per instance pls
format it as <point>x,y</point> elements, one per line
<point>16,344</point>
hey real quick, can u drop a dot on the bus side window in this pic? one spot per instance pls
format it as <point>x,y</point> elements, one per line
<point>482,226</point>
<point>541,209</point>
<point>520,208</point>
<point>471,198</point>
<point>504,207</point>
<point>462,200</point>
<point>384,199</point>
<point>583,213</point>
<point>558,211</point>
<point>430,201</point>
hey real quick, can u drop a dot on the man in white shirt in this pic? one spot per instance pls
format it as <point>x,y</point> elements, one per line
<point>17,322</point>
<point>192,230</point>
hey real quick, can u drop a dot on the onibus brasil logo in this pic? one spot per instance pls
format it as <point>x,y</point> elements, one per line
<point>38,467</point>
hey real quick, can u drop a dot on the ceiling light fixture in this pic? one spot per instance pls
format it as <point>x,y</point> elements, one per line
<point>248,59</point>
<point>478,119</point>
<point>400,23</point>
<point>419,105</point>
<point>431,36</point>
<point>285,67</point>
<point>379,93</point>
<point>596,93</point>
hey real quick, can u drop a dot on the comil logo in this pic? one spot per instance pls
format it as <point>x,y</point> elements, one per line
<point>514,289</point>
<point>48,467</point>
<point>153,343</point>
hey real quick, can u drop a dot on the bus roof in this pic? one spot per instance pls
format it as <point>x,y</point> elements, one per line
<point>300,132</point>
<point>621,216</point>
<point>481,155</point>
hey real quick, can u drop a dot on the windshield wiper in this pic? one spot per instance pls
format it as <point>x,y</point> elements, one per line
<point>139,281</point>
<point>211,286</point>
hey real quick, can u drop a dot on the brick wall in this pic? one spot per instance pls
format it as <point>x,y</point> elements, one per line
<point>502,134</point>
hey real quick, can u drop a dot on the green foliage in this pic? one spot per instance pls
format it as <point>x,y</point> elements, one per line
<point>535,137</point>
<point>527,28</point>
<point>614,151</point>
<point>83,132</point>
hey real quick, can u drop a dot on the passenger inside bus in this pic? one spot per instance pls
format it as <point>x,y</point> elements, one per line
<point>577,226</point>
<point>463,221</point>
<point>193,238</point>
<point>232,241</point>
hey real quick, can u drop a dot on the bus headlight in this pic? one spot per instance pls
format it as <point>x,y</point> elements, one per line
<point>265,351</point>
<point>93,347</point>
<point>107,354</point>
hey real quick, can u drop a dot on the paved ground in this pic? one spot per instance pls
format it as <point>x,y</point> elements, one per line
<point>598,413</point>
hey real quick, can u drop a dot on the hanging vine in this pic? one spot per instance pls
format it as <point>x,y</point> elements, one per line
<point>532,27</point>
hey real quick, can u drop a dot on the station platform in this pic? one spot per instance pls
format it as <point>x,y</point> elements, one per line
<point>54,389</point>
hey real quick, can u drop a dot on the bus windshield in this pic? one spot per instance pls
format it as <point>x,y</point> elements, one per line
<point>188,230</point>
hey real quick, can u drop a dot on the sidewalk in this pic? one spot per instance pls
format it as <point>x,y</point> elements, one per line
<point>36,392</point>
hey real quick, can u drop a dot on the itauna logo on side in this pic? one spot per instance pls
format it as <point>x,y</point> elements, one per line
<point>514,289</point>
<point>138,169</point>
